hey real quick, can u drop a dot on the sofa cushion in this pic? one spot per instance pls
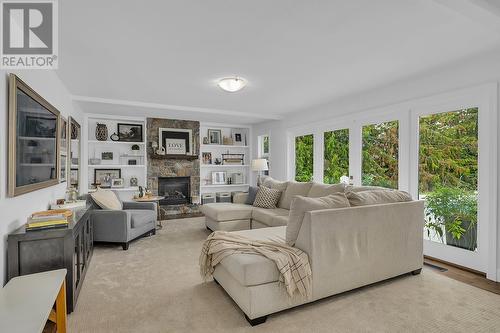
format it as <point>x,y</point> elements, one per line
<point>266,216</point>
<point>274,184</point>
<point>106,199</point>
<point>267,197</point>
<point>140,217</point>
<point>356,189</point>
<point>225,211</point>
<point>301,205</point>
<point>252,193</point>
<point>322,190</point>
<point>280,220</point>
<point>293,189</point>
<point>375,197</point>
<point>251,269</point>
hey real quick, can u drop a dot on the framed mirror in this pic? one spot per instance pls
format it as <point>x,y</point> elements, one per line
<point>63,144</point>
<point>34,147</point>
<point>74,154</point>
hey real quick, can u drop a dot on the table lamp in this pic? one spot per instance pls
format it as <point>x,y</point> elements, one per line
<point>259,165</point>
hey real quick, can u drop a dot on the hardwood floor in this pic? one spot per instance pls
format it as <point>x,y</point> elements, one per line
<point>472,278</point>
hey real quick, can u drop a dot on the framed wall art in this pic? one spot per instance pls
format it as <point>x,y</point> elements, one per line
<point>130,132</point>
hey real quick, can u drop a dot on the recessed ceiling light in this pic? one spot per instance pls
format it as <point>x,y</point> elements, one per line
<point>232,84</point>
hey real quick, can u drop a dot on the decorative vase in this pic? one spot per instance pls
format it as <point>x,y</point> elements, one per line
<point>101,132</point>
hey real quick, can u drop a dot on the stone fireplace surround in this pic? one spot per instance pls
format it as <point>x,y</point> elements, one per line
<point>177,167</point>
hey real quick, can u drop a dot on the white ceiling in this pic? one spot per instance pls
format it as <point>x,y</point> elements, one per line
<point>163,57</point>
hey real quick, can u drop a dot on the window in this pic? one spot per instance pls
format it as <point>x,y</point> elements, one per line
<point>336,155</point>
<point>304,155</point>
<point>448,176</point>
<point>264,151</point>
<point>380,154</point>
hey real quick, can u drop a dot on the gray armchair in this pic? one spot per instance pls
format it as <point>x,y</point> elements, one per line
<point>122,226</point>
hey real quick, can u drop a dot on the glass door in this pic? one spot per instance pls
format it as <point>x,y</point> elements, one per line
<point>452,178</point>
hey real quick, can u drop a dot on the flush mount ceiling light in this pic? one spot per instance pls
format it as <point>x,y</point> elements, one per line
<point>232,84</point>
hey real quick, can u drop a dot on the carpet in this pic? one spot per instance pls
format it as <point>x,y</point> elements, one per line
<point>155,286</point>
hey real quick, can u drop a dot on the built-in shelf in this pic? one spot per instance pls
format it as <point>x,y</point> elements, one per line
<point>173,157</point>
<point>37,165</point>
<point>116,142</point>
<point>130,189</point>
<point>222,146</point>
<point>36,138</point>
<point>215,166</point>
<point>226,185</point>
<point>116,166</point>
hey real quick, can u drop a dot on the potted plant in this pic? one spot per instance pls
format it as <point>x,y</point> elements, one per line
<point>453,211</point>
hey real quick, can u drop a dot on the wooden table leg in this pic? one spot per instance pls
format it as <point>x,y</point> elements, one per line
<point>61,309</point>
<point>159,225</point>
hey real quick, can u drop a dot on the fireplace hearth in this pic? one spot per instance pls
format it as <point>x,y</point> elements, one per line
<point>176,190</point>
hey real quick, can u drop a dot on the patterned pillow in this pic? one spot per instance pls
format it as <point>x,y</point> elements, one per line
<point>267,197</point>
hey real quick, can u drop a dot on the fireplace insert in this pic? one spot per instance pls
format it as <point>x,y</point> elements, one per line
<point>176,190</point>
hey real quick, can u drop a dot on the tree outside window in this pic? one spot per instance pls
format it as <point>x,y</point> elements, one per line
<point>304,155</point>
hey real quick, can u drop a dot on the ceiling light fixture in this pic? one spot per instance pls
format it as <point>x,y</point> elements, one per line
<point>232,84</point>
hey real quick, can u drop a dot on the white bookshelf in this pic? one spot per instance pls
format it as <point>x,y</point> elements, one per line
<point>216,150</point>
<point>122,152</point>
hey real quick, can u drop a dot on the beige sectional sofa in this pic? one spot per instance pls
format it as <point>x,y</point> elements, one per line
<point>347,247</point>
<point>239,216</point>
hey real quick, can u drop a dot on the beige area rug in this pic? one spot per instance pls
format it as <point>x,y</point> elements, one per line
<point>155,287</point>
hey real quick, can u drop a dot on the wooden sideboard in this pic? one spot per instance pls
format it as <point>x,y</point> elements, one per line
<point>44,250</point>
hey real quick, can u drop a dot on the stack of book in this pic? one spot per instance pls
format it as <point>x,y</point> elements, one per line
<point>41,222</point>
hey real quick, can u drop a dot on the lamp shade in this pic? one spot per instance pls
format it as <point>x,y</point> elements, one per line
<point>259,165</point>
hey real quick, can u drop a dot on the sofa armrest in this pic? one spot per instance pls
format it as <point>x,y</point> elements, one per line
<point>111,225</point>
<point>352,247</point>
<point>240,198</point>
<point>139,205</point>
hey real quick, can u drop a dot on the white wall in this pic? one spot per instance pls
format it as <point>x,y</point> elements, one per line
<point>14,211</point>
<point>484,68</point>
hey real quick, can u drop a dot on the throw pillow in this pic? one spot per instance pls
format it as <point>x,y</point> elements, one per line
<point>252,193</point>
<point>301,205</point>
<point>375,197</point>
<point>293,189</point>
<point>267,197</point>
<point>106,199</point>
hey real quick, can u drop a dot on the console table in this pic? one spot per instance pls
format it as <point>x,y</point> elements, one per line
<point>44,250</point>
<point>26,302</point>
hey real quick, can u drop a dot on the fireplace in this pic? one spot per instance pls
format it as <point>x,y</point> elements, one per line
<point>176,190</point>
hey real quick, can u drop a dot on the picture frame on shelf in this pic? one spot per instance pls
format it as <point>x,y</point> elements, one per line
<point>206,157</point>
<point>117,182</point>
<point>104,176</point>
<point>130,132</point>
<point>239,136</point>
<point>176,141</point>
<point>214,136</point>
<point>219,177</point>
<point>107,156</point>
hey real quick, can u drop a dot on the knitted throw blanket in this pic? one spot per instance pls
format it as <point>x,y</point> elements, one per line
<point>292,263</point>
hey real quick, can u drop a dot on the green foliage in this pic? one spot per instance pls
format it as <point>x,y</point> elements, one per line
<point>304,155</point>
<point>336,155</point>
<point>265,144</point>
<point>380,155</point>
<point>449,150</point>
<point>451,209</point>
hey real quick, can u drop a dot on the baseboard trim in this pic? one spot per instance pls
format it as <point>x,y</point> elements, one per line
<point>455,265</point>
